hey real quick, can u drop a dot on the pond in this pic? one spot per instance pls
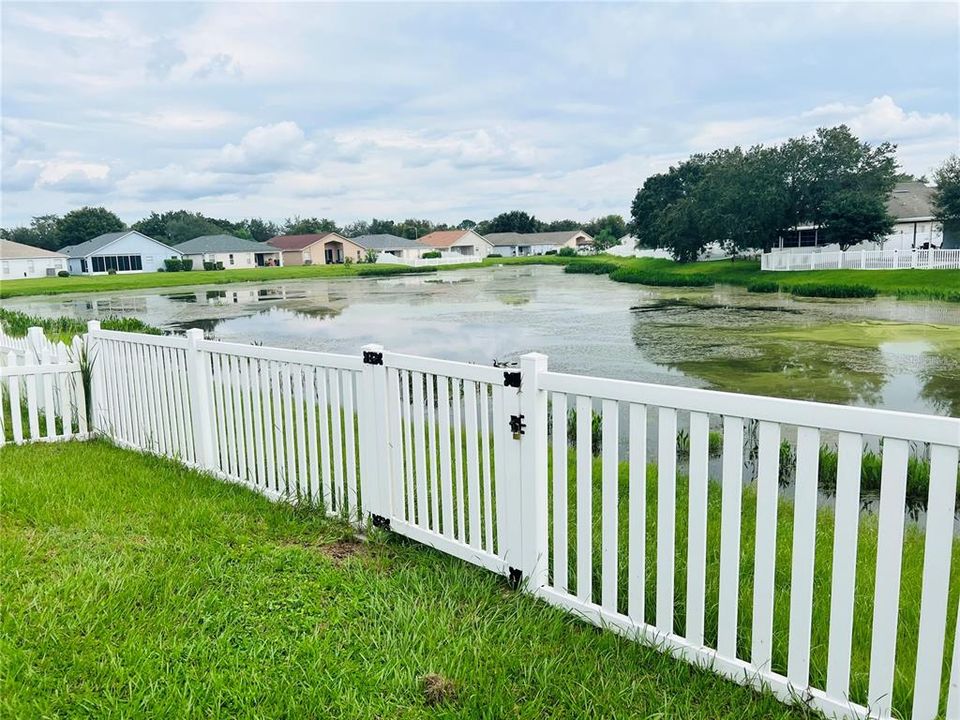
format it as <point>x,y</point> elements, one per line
<point>900,355</point>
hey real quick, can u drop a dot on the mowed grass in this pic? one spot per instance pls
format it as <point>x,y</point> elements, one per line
<point>134,587</point>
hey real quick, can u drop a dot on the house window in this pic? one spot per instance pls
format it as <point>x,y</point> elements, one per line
<point>83,265</point>
<point>231,258</point>
<point>6,267</point>
<point>119,263</point>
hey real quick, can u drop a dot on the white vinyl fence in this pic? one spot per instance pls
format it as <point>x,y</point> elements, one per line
<point>41,389</point>
<point>620,525</point>
<point>862,260</point>
<point>388,259</point>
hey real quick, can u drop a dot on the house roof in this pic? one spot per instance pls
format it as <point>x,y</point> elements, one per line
<point>85,249</point>
<point>386,242</point>
<point>446,238</point>
<point>543,238</point>
<point>297,242</point>
<point>911,200</point>
<point>221,244</point>
<point>10,250</point>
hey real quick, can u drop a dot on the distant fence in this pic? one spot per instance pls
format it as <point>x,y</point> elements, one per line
<point>862,260</point>
<point>475,461</point>
<point>388,259</point>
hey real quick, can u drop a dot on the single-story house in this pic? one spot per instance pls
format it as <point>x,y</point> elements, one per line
<point>627,247</point>
<point>316,249</point>
<point>127,251</point>
<point>401,247</point>
<point>911,205</point>
<point>458,242</point>
<point>231,251</point>
<point>512,244</point>
<point>25,261</point>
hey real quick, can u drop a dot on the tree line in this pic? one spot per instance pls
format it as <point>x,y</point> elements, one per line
<point>745,200</point>
<point>176,226</point>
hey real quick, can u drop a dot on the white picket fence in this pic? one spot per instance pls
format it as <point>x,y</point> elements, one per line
<point>474,461</point>
<point>41,389</point>
<point>862,260</point>
<point>388,259</point>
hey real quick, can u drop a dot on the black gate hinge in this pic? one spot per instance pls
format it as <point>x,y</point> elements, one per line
<point>511,378</point>
<point>514,578</point>
<point>517,425</point>
<point>379,521</point>
<point>372,358</point>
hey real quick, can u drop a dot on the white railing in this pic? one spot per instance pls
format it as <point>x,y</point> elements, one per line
<point>862,260</point>
<point>42,396</point>
<point>388,259</point>
<point>475,461</point>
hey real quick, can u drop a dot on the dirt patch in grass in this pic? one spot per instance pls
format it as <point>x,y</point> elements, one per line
<point>338,550</point>
<point>438,690</point>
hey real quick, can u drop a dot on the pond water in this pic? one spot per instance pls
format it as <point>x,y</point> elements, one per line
<point>900,355</point>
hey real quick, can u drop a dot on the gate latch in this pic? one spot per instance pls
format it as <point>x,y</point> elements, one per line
<point>372,358</point>
<point>511,378</point>
<point>517,426</point>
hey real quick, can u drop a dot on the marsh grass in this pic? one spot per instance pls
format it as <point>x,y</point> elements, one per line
<point>136,587</point>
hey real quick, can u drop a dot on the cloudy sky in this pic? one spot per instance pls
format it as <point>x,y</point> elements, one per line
<point>442,110</point>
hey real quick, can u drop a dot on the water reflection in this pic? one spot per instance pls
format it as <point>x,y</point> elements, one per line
<point>884,353</point>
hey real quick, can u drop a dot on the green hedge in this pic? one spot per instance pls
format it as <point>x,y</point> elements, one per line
<point>392,270</point>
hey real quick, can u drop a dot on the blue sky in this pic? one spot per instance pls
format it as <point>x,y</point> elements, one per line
<point>442,110</point>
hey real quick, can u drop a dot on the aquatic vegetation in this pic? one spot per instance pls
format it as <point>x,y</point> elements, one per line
<point>16,324</point>
<point>833,291</point>
<point>763,286</point>
<point>660,279</point>
<point>591,267</point>
<point>379,270</point>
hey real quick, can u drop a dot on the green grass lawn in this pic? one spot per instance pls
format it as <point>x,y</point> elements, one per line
<point>134,587</point>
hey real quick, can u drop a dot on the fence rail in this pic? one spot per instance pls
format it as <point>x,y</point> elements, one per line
<point>862,260</point>
<point>596,496</point>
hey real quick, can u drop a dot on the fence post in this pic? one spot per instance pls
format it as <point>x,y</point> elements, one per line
<point>374,453</point>
<point>199,392</point>
<point>91,346</point>
<point>509,479</point>
<point>533,472</point>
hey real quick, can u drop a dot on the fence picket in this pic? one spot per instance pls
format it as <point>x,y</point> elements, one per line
<point>473,461</point>
<point>843,581</point>
<point>764,573</point>
<point>432,454</point>
<point>666,516</point>
<point>326,471</point>
<point>13,389</point>
<point>49,413</point>
<point>460,495</point>
<point>350,444</point>
<point>560,490</point>
<point>300,422</point>
<point>486,467</point>
<point>406,403</point>
<point>697,526</point>
<point>637,520</point>
<point>731,495</point>
<point>584,500</point>
<point>886,603</point>
<point>63,391</point>
<point>610,502</point>
<point>446,476</point>
<point>420,456</point>
<point>336,420</point>
<point>310,391</point>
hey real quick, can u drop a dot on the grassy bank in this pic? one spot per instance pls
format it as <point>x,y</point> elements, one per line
<point>135,587</point>
<point>16,324</point>
<point>920,284</point>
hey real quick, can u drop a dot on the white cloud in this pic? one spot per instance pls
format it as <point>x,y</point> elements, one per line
<point>266,149</point>
<point>175,182</point>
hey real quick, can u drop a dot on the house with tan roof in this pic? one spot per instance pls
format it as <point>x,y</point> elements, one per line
<point>459,242</point>
<point>328,248</point>
<point>25,261</point>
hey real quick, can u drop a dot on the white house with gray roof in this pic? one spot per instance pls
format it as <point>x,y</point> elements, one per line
<point>127,251</point>
<point>402,247</point>
<point>25,261</point>
<point>914,226</point>
<point>230,251</point>
<point>511,244</point>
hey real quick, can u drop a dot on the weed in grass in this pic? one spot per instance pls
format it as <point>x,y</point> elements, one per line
<point>438,690</point>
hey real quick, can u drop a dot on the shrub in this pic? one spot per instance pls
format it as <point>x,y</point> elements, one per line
<point>112,271</point>
<point>431,255</point>
<point>833,291</point>
<point>763,286</point>
<point>63,273</point>
<point>591,267</point>
<point>186,264</point>
<point>173,264</point>
<point>567,252</point>
<point>392,270</point>
<point>596,430</point>
<point>660,279</point>
<point>208,265</point>
<point>550,252</point>
<point>494,255</point>
<point>348,261</point>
